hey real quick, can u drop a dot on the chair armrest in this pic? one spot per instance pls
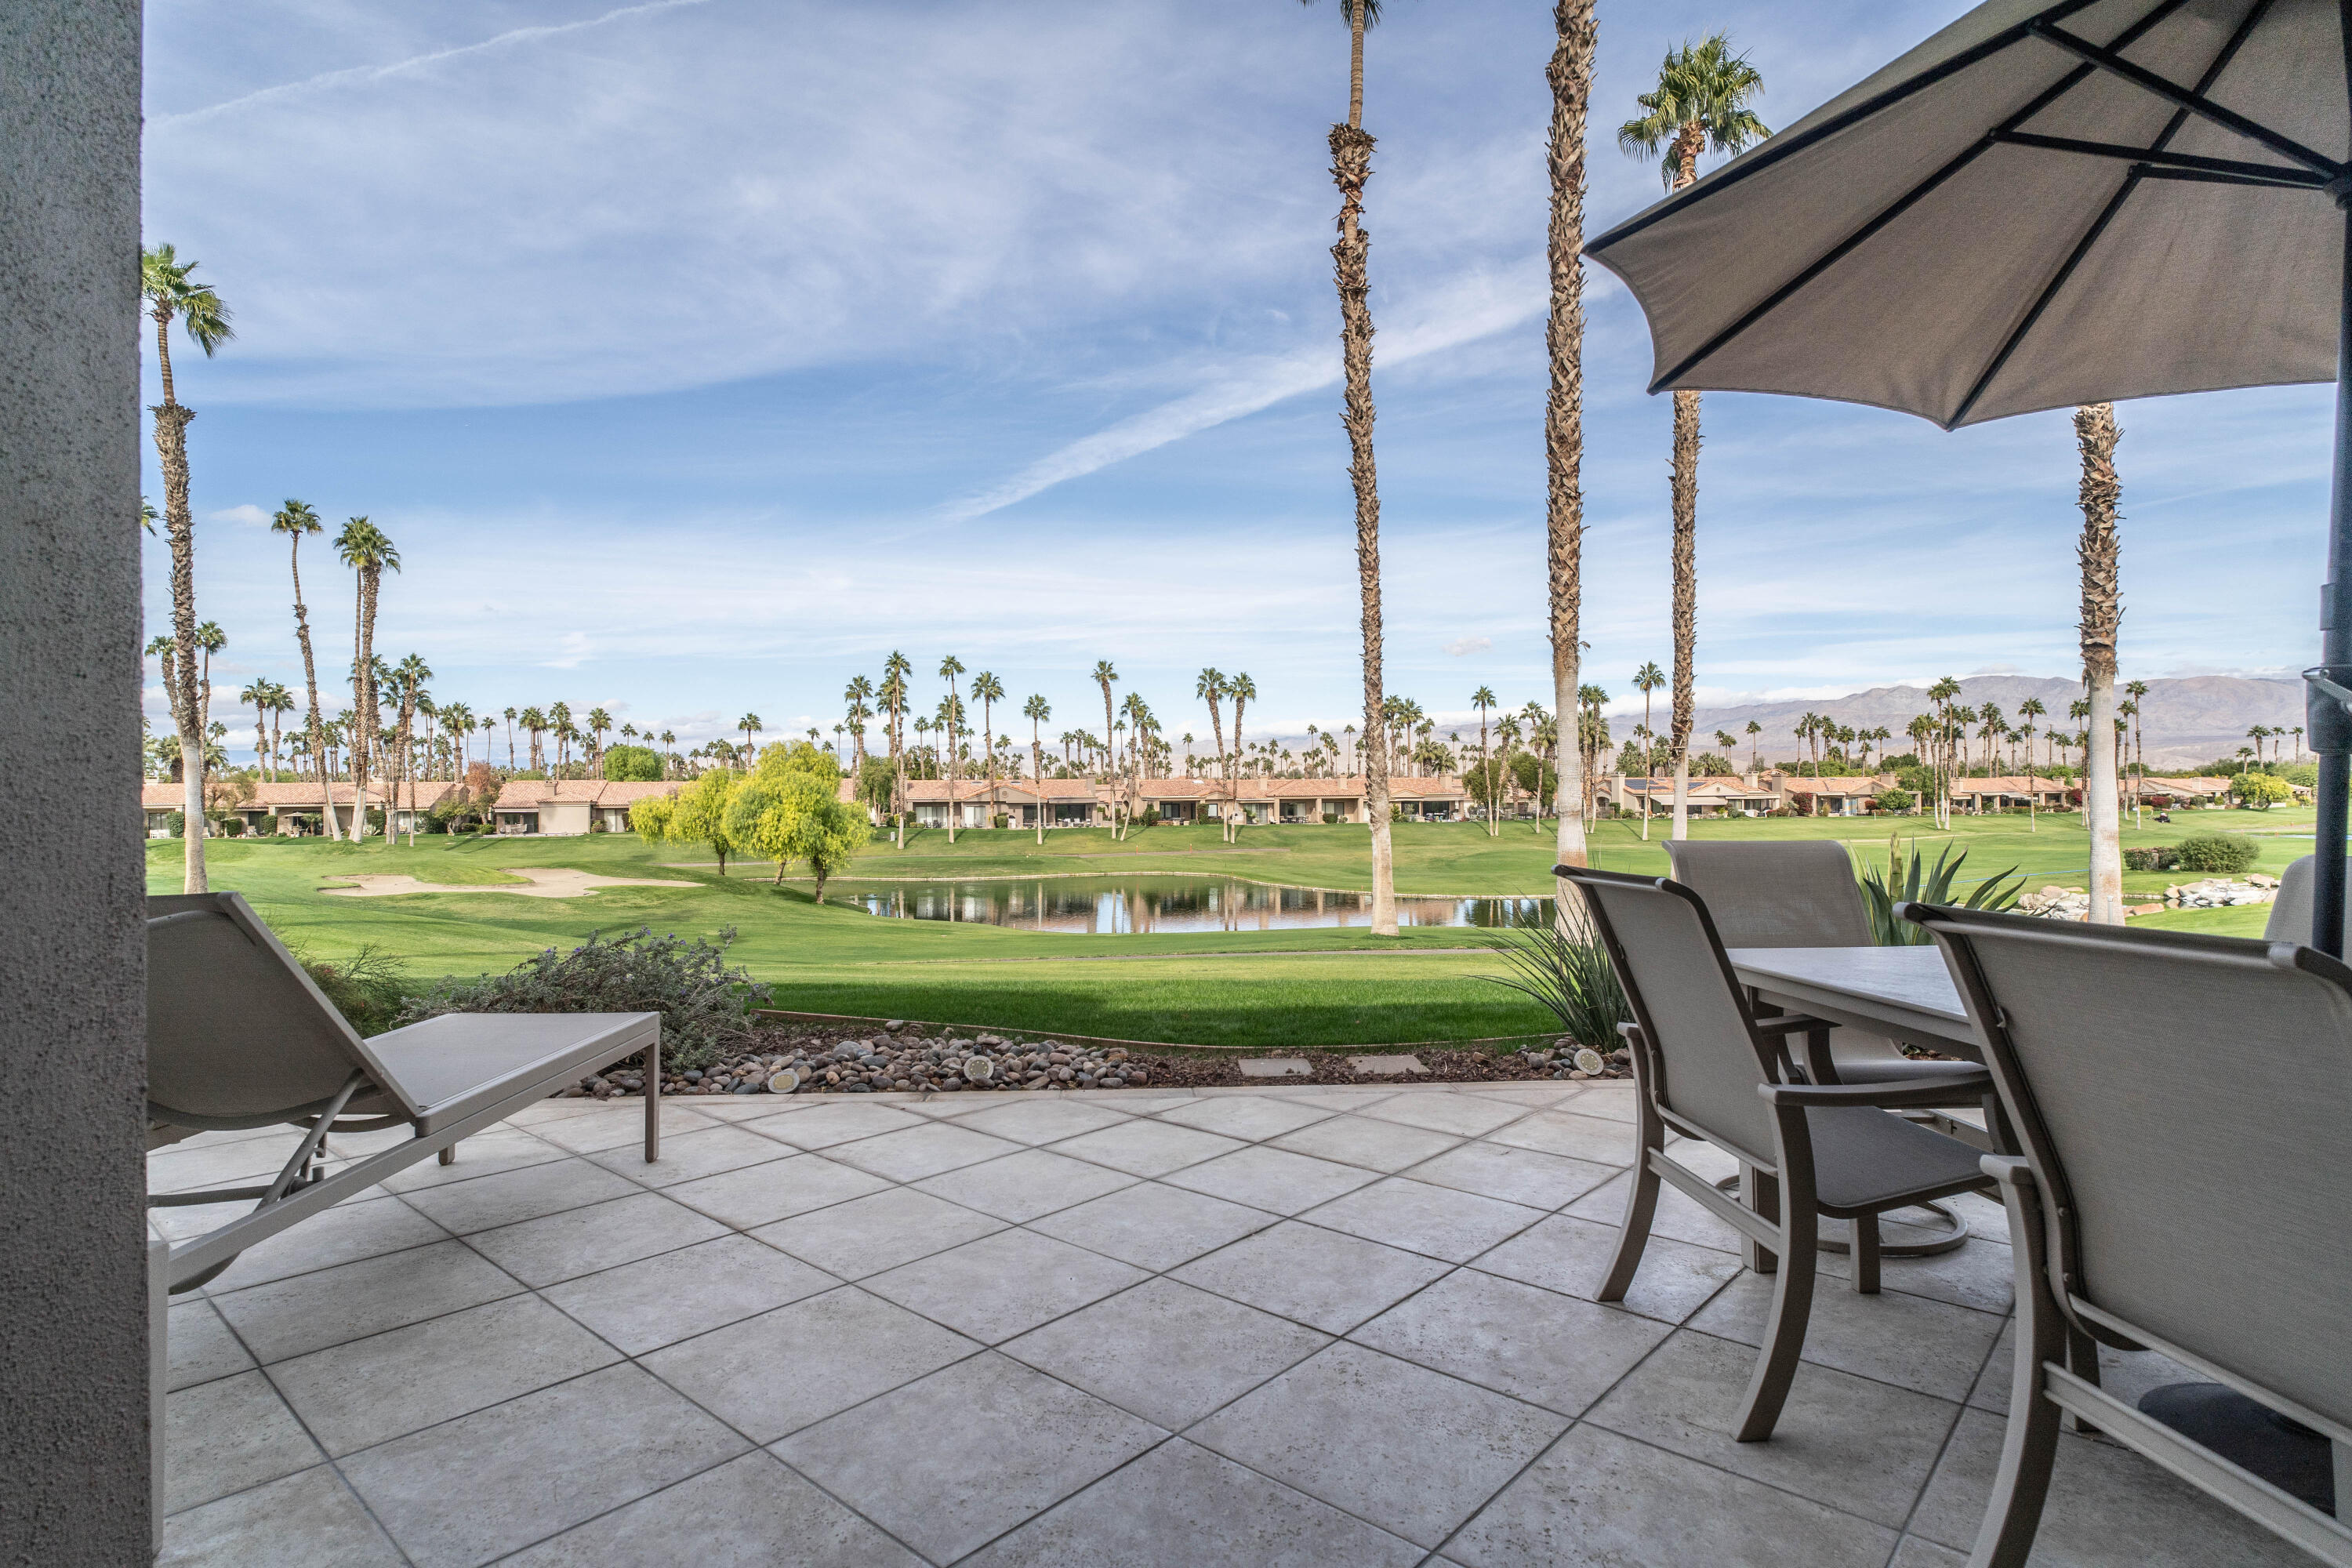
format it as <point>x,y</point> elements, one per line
<point>1927,1093</point>
<point>1791,1024</point>
<point>2009,1170</point>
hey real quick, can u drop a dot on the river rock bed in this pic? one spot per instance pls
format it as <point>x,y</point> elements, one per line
<point>907,1057</point>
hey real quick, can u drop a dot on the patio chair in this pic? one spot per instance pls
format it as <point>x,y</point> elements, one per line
<point>240,1036</point>
<point>2291,910</point>
<point>1705,1066</point>
<point>2162,1204</point>
<point>1799,894</point>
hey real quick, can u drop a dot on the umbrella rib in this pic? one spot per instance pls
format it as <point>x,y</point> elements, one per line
<point>2156,158</point>
<point>1903,203</point>
<point>2213,73</point>
<point>2195,102</point>
<point>1787,145</point>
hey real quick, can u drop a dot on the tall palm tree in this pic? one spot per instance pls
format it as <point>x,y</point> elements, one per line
<point>1209,687</point>
<point>169,286</point>
<point>951,711</point>
<point>599,724</point>
<point>1483,700</point>
<point>1103,677</point>
<point>897,671</point>
<point>1351,166</point>
<point>559,720</point>
<point>1037,710</point>
<point>991,692</point>
<point>1700,104</point>
<point>362,547</point>
<point>857,698</point>
<point>408,681</point>
<point>533,722</point>
<point>750,724</point>
<point>1569,74</point>
<point>1754,765</point>
<point>2100,553</point>
<point>295,520</point>
<point>2138,691</point>
<point>1646,680</point>
<point>1243,691</point>
<point>510,716</point>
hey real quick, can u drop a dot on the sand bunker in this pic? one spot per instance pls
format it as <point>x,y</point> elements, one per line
<point>544,883</point>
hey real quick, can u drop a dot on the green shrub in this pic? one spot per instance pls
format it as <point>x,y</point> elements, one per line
<point>2262,790</point>
<point>637,764</point>
<point>179,823</point>
<point>705,1005</point>
<point>369,988</point>
<point>2223,854</point>
<point>1894,800</point>
<point>2152,857</point>
<point>2304,775</point>
<point>1330,818</point>
<point>1570,974</point>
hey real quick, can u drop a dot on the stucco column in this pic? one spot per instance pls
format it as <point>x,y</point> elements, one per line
<point>74,1414</point>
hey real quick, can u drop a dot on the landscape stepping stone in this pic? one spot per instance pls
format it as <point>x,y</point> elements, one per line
<point>1392,1066</point>
<point>1276,1067</point>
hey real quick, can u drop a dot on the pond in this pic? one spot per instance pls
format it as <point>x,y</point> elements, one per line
<point>1122,906</point>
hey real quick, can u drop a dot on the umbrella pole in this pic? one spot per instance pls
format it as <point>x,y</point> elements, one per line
<point>2329,725</point>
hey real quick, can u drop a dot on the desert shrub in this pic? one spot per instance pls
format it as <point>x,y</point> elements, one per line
<point>2222,854</point>
<point>369,988</point>
<point>639,764</point>
<point>1568,972</point>
<point>1910,880</point>
<point>2151,857</point>
<point>705,1005</point>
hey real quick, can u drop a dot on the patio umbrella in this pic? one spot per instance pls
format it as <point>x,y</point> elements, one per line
<point>2043,205</point>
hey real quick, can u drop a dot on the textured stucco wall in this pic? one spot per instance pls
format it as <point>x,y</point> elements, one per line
<point>73,1323</point>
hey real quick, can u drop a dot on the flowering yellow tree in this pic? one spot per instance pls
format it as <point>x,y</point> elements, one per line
<point>698,813</point>
<point>786,814</point>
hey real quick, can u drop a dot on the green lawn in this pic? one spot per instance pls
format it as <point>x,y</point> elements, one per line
<point>1277,989</point>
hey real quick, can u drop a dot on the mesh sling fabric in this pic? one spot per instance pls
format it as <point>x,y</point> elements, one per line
<point>2197,1103</point>
<point>1776,895</point>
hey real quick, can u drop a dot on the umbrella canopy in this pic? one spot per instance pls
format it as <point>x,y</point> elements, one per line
<point>2044,206</point>
<point>2023,213</point>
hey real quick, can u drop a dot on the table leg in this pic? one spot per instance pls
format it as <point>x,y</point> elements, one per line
<point>1762,1193</point>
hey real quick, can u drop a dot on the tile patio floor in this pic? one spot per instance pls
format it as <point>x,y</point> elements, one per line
<point>1296,1326</point>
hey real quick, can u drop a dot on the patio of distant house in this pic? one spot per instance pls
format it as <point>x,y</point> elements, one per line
<point>1308,1325</point>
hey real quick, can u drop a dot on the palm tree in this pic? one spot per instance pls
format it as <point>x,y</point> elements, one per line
<point>408,681</point>
<point>857,698</point>
<point>750,724</point>
<point>1209,687</point>
<point>991,692</point>
<point>364,548</point>
<point>1482,700</point>
<point>897,671</point>
<point>1700,102</point>
<point>950,713</point>
<point>1243,691</point>
<point>2100,553</point>
<point>1569,74</point>
<point>1647,679</point>
<point>1037,710</point>
<point>1102,676</point>
<point>1352,165</point>
<point>2138,691</point>
<point>558,720</point>
<point>599,722</point>
<point>168,285</point>
<point>533,722</point>
<point>294,520</point>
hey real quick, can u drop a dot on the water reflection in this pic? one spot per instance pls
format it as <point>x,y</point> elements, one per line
<point>1123,906</point>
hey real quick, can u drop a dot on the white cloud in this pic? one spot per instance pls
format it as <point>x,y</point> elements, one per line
<point>1461,647</point>
<point>246,513</point>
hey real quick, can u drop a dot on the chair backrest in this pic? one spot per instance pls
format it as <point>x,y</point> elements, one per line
<point>1798,894</point>
<point>2291,910</point>
<point>1687,1003</point>
<point>2182,1100</point>
<point>236,1032</point>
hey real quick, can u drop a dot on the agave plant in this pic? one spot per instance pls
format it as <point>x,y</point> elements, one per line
<point>1910,880</point>
<point>1569,973</point>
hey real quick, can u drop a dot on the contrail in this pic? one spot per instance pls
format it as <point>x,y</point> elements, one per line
<point>377,73</point>
<point>1471,309</point>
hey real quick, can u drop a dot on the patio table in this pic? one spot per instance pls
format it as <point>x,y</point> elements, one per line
<point>1903,993</point>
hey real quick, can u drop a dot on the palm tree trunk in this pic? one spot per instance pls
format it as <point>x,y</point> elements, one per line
<point>1686,574</point>
<point>179,524</point>
<point>310,680</point>
<point>1352,165</point>
<point>2100,553</point>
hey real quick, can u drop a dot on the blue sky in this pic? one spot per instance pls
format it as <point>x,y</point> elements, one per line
<point>696,353</point>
